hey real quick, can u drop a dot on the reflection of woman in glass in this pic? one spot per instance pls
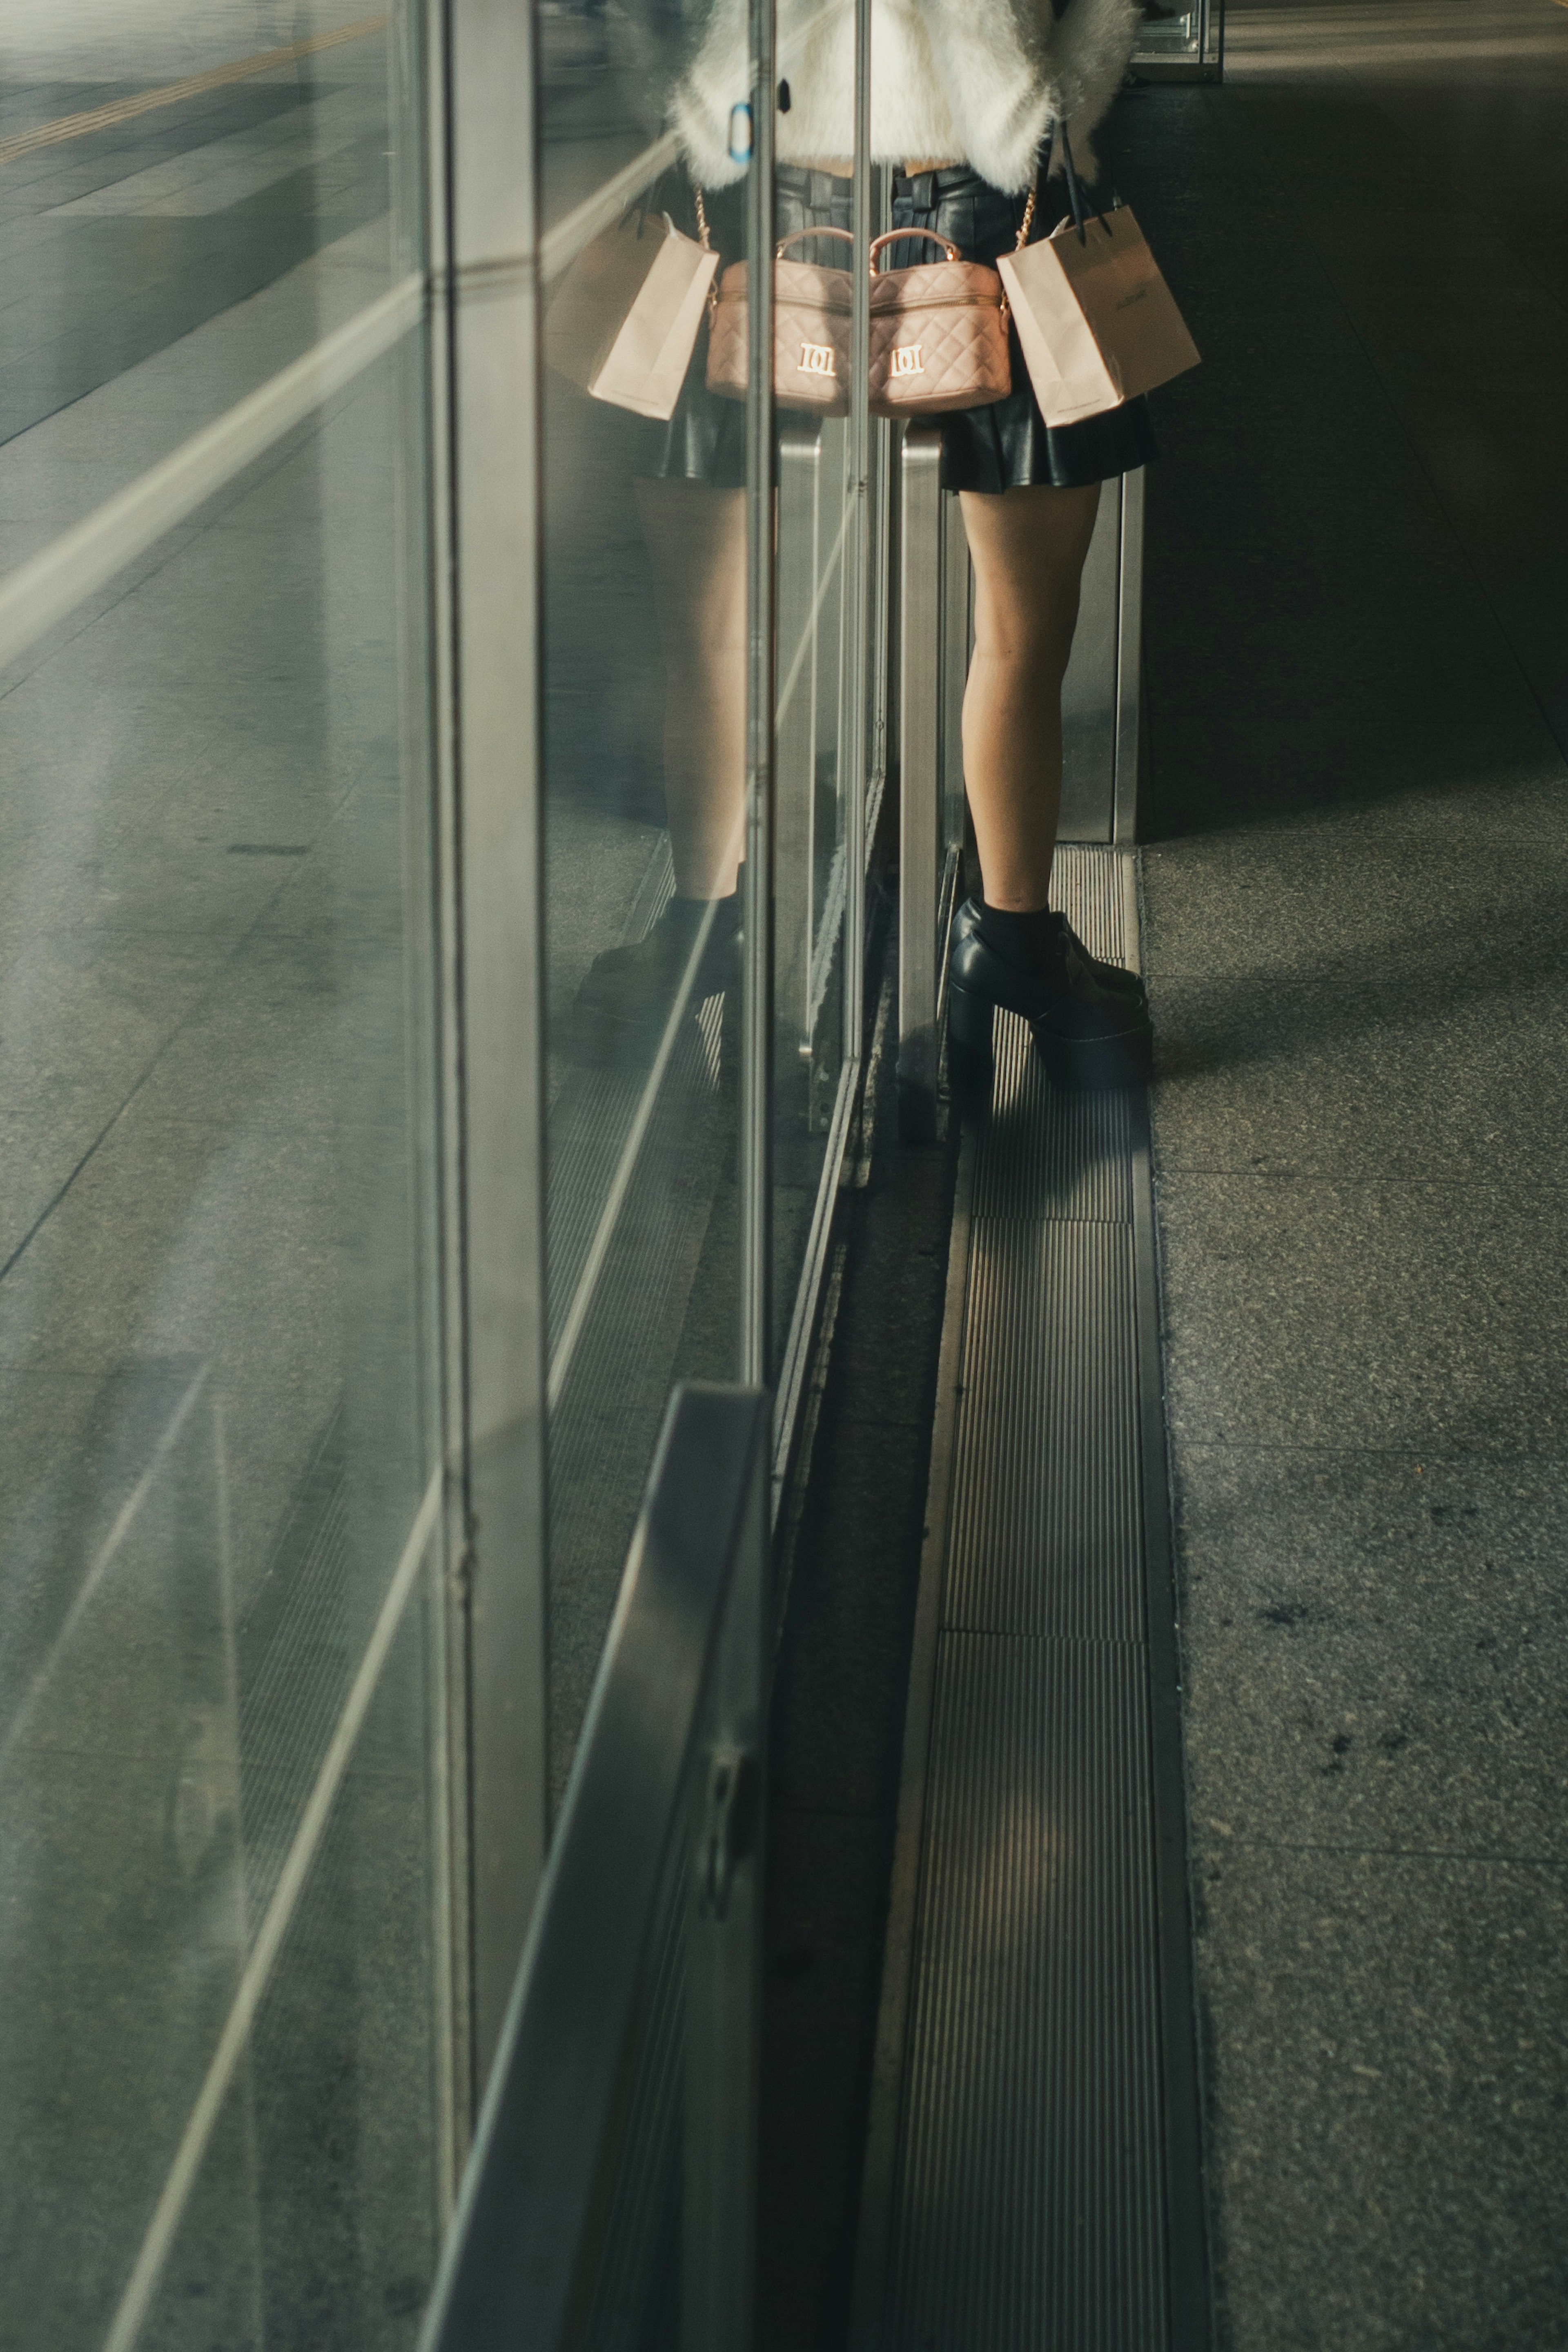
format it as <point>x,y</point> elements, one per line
<point>964,94</point>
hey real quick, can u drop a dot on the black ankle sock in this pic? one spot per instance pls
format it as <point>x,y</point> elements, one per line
<point>683,919</point>
<point>685,915</point>
<point>1019,939</point>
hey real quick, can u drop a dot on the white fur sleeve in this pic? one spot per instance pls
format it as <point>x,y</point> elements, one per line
<point>993,64</point>
<point>1090,50</point>
<point>718,77</point>
<point>1010,72</point>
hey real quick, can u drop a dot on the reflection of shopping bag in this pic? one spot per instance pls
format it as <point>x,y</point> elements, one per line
<point>623,322</point>
<point>1097,322</point>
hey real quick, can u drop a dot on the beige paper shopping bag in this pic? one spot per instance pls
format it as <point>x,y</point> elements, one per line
<point>1097,322</point>
<point>624,320</point>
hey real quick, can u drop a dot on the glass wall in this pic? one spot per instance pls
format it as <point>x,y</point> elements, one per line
<point>644,738</point>
<point>225,2038</point>
<point>817,744</point>
<point>430,920</point>
<point>658,931</point>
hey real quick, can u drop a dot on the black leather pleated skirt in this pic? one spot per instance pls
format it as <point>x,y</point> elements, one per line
<point>1009,446</point>
<point>1006,447</point>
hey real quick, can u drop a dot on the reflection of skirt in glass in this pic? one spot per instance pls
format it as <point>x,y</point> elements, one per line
<point>1006,447</point>
<point>705,439</point>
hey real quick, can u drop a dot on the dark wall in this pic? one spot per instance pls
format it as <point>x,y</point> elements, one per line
<point>1361,518</point>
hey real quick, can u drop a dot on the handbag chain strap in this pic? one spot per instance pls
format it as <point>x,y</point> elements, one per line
<point>712,302</point>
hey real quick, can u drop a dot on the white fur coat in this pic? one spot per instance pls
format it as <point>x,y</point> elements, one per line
<point>977,80</point>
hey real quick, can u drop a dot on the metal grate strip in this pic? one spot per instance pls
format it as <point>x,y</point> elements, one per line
<point>1035,2067</point>
<point>1044,1536</point>
<point>1051,1154</point>
<point>1088,887</point>
<point>1030,2205</point>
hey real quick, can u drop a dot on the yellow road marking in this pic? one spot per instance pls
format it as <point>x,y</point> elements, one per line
<point>121,109</point>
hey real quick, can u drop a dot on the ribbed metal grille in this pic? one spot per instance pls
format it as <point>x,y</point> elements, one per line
<point>1049,1153</point>
<point>1031,2211</point>
<point>1045,1535</point>
<point>1086,887</point>
<point>1029,2199</point>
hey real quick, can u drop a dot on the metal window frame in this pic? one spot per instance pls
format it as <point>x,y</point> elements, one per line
<point>863,739</point>
<point>859,614</point>
<point>1129,661</point>
<point>489,557</point>
<point>934,662</point>
<point>762,663</point>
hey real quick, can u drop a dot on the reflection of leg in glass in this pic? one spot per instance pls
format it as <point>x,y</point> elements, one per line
<point>697,538</point>
<point>1089,1019</point>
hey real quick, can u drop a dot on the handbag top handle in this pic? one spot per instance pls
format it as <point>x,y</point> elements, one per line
<point>903,235</point>
<point>796,233</point>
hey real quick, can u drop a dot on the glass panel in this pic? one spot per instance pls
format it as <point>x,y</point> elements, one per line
<point>222,1897</point>
<point>597,107</point>
<point>645,599</point>
<point>646,609</point>
<point>822,730</point>
<point>191,196</point>
<point>1171,34</point>
<point>816,723</point>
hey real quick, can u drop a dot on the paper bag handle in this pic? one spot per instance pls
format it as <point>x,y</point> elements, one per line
<point>1075,191</point>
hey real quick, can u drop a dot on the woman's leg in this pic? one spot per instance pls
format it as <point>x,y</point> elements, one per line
<point>697,538</point>
<point>1028,547</point>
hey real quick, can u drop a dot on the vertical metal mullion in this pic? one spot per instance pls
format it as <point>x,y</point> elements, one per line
<point>757,1060</point>
<point>1129,659</point>
<point>921,585</point>
<point>418,51</point>
<point>858,599</point>
<point>724,1986</point>
<point>491,279</point>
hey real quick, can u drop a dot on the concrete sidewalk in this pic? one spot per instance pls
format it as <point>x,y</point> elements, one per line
<point>1358,696</point>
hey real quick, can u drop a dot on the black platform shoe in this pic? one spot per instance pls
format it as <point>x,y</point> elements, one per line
<point>1116,977</point>
<point>625,1002</point>
<point>1089,1020</point>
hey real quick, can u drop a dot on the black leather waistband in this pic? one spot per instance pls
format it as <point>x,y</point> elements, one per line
<point>824,188</point>
<point>821,190</point>
<point>928,189</point>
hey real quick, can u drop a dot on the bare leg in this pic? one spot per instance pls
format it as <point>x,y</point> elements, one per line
<point>1028,547</point>
<point>697,538</point>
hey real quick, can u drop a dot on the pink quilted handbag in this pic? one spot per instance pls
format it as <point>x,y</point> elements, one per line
<point>939,333</point>
<point>814,312</point>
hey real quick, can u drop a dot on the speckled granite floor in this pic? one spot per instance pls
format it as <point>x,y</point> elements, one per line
<point>1358,698</point>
